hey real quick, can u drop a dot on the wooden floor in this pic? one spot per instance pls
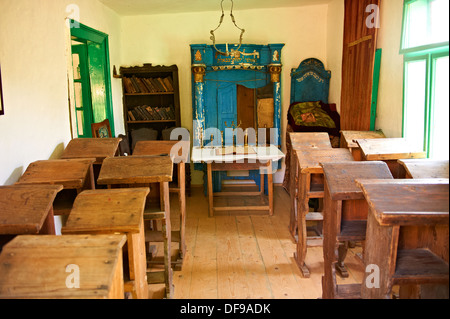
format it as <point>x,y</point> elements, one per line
<point>238,256</point>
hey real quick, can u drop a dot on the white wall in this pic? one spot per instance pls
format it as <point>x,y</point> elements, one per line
<point>33,58</point>
<point>165,40</point>
<point>390,96</point>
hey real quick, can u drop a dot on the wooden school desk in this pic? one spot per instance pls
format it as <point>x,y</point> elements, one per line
<point>425,168</point>
<point>113,211</point>
<point>310,185</point>
<point>48,267</point>
<point>407,237</point>
<point>75,175</point>
<point>251,158</point>
<point>27,209</point>
<point>298,142</point>
<point>349,137</point>
<point>344,219</point>
<point>180,156</point>
<point>98,148</point>
<point>135,171</point>
<point>389,150</point>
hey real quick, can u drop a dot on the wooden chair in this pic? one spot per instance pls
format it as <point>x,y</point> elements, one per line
<point>101,130</point>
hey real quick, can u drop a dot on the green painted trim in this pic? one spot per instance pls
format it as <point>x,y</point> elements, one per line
<point>375,87</point>
<point>85,33</point>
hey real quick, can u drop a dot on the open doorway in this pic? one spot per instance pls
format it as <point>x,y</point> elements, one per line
<point>91,78</point>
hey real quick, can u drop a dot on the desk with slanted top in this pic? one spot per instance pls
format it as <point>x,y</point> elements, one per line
<point>389,150</point>
<point>310,185</point>
<point>345,219</point>
<point>115,211</point>
<point>300,141</point>
<point>425,168</point>
<point>135,171</point>
<point>75,175</point>
<point>407,237</point>
<point>26,209</point>
<point>52,267</point>
<point>349,137</point>
<point>179,153</point>
<point>98,148</point>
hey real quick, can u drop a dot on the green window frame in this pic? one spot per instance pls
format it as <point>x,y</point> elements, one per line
<point>425,56</point>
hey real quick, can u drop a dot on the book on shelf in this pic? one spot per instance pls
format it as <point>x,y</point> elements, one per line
<point>135,85</point>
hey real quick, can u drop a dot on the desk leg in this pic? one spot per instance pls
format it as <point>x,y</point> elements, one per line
<point>138,263</point>
<point>167,230</point>
<point>270,186</point>
<point>302,210</point>
<point>182,186</point>
<point>381,251</point>
<point>48,227</point>
<point>210,190</point>
<point>293,193</point>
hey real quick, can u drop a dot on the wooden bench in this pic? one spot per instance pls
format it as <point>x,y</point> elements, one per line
<point>300,141</point>
<point>138,171</point>
<point>389,150</point>
<point>407,238</point>
<point>62,267</point>
<point>115,211</point>
<point>311,185</point>
<point>75,175</point>
<point>349,138</point>
<point>424,168</point>
<point>345,220</point>
<point>180,157</point>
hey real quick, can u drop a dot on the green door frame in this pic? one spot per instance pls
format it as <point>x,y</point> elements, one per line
<point>83,33</point>
<point>375,87</point>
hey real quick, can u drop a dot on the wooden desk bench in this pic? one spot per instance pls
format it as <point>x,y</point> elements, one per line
<point>135,171</point>
<point>311,185</point>
<point>75,175</point>
<point>345,219</point>
<point>300,141</point>
<point>26,209</point>
<point>389,150</point>
<point>407,237</point>
<point>424,168</point>
<point>349,137</point>
<point>48,266</point>
<point>180,156</point>
<point>115,211</point>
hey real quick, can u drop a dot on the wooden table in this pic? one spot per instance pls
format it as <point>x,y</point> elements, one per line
<point>300,141</point>
<point>75,175</point>
<point>425,168</point>
<point>349,138</point>
<point>98,148</point>
<point>254,158</point>
<point>115,211</point>
<point>345,220</point>
<point>27,209</point>
<point>62,267</point>
<point>135,171</point>
<point>179,154</point>
<point>407,237</point>
<point>389,150</point>
<point>310,185</point>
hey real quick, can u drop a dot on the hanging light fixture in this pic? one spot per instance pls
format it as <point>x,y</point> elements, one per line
<point>233,52</point>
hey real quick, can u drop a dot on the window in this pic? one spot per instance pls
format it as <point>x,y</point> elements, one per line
<point>425,45</point>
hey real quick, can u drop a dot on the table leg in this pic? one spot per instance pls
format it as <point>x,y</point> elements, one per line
<point>48,227</point>
<point>167,230</point>
<point>210,190</point>
<point>293,193</point>
<point>138,263</point>
<point>270,186</point>
<point>182,186</point>
<point>302,211</point>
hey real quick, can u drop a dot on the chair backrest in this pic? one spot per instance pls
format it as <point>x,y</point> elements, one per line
<point>102,129</point>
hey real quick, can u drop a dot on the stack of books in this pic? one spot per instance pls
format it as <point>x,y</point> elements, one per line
<point>149,113</point>
<point>135,85</point>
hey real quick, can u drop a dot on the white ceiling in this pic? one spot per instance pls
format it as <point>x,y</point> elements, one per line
<point>147,7</point>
